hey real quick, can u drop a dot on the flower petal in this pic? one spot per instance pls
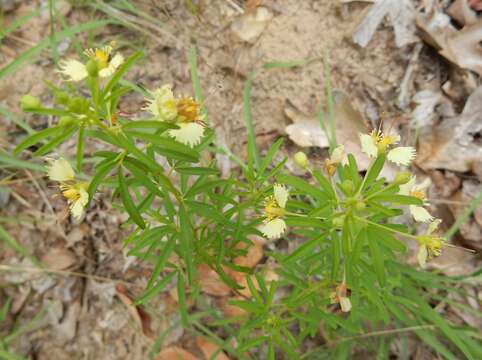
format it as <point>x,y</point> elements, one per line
<point>77,206</point>
<point>368,145</point>
<point>402,155</point>
<point>188,133</point>
<point>338,155</point>
<point>433,226</point>
<point>74,70</point>
<point>162,104</point>
<point>60,170</point>
<point>115,62</point>
<point>273,229</point>
<point>422,255</point>
<point>281,195</point>
<point>420,214</point>
<point>345,304</point>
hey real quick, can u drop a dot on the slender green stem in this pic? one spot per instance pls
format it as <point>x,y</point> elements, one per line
<point>381,191</point>
<point>385,228</point>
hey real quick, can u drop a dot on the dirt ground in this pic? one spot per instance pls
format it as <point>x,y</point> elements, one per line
<point>83,316</point>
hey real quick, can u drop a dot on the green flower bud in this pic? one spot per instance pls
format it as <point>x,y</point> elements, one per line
<point>360,205</point>
<point>339,221</point>
<point>28,102</point>
<point>66,120</point>
<point>402,178</point>
<point>92,68</point>
<point>301,159</point>
<point>347,186</point>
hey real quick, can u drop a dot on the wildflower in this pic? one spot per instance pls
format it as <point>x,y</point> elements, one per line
<point>337,157</point>
<point>377,143</point>
<point>75,192</point>
<point>106,64</point>
<point>274,210</point>
<point>339,296</point>
<point>419,191</point>
<point>183,112</point>
<point>429,245</point>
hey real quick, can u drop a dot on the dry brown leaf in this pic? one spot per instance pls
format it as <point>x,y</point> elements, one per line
<point>230,310</point>
<point>251,6</point>
<point>141,318</point>
<point>211,283</point>
<point>209,349</point>
<point>455,143</point>
<point>251,25</point>
<point>462,12</point>
<point>254,253</point>
<point>175,353</point>
<point>59,259</point>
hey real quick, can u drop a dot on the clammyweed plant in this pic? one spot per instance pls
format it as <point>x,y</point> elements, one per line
<point>348,275</point>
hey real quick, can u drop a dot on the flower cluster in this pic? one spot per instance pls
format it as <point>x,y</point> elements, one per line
<point>74,191</point>
<point>184,112</point>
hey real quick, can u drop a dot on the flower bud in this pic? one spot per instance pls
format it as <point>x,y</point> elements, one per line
<point>92,68</point>
<point>65,120</point>
<point>28,102</point>
<point>301,159</point>
<point>402,178</point>
<point>360,205</point>
<point>339,221</point>
<point>347,186</point>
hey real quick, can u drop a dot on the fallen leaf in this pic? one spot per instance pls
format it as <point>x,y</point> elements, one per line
<point>401,14</point>
<point>209,349</point>
<point>462,12</point>
<point>249,26</point>
<point>140,316</point>
<point>254,253</point>
<point>59,259</point>
<point>425,102</point>
<point>454,144</point>
<point>211,283</point>
<point>175,353</point>
<point>230,310</point>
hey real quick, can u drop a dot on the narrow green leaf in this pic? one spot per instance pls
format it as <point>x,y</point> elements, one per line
<point>253,154</point>
<point>127,200</point>
<point>161,261</point>
<point>156,289</point>
<point>126,65</point>
<point>37,137</point>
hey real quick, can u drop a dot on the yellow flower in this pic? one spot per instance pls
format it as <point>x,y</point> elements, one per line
<point>337,157</point>
<point>77,197</point>
<point>429,245</point>
<point>419,191</point>
<point>377,143</point>
<point>183,112</point>
<point>107,64</point>
<point>75,192</point>
<point>162,104</point>
<point>274,210</point>
<point>339,296</point>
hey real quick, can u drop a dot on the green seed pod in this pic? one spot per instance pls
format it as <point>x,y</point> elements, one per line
<point>339,221</point>
<point>28,102</point>
<point>402,178</point>
<point>66,120</point>
<point>301,159</point>
<point>92,68</point>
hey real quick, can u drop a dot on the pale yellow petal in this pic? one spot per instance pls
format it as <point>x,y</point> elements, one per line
<point>60,170</point>
<point>273,229</point>
<point>368,145</point>
<point>73,70</point>
<point>77,207</point>
<point>116,61</point>
<point>345,304</point>
<point>423,186</point>
<point>402,155</point>
<point>338,155</point>
<point>162,103</point>
<point>281,195</point>
<point>188,133</point>
<point>422,255</point>
<point>433,226</point>
<point>420,214</point>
